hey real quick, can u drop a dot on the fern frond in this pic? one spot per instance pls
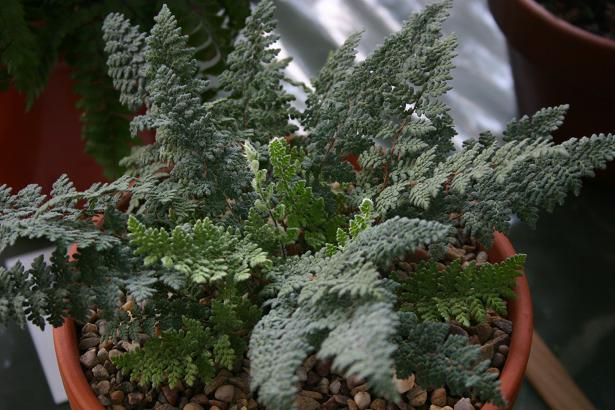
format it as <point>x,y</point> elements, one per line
<point>320,298</point>
<point>253,79</point>
<point>440,359</point>
<point>124,45</point>
<point>458,293</point>
<point>202,251</point>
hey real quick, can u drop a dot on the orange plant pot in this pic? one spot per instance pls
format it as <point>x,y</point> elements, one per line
<point>81,396</point>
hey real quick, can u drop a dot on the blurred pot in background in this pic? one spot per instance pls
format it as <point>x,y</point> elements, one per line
<point>555,62</point>
<point>56,98</point>
<point>40,144</point>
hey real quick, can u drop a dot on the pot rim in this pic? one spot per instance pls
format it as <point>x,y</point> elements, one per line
<point>82,397</point>
<point>563,26</point>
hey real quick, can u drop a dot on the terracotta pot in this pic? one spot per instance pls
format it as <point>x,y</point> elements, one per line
<point>81,396</point>
<point>39,145</point>
<point>520,313</point>
<point>555,62</point>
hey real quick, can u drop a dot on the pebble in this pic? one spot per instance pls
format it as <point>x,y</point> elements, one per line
<point>378,404</point>
<point>404,385</point>
<point>481,257</point>
<point>182,402</point>
<point>306,403</point>
<point>104,400</point>
<point>200,399</point>
<point>323,385</point>
<point>118,407</point>
<point>417,396</point>
<point>193,406</point>
<point>217,403</point>
<point>341,399</point>
<point>362,399</point>
<point>504,325</point>
<point>353,381</point>
<point>503,349</point>
<point>457,330</point>
<point>486,351</point>
<point>99,372</point>
<point>134,399</point>
<point>109,366</point>
<point>128,387</point>
<point>453,253</point>
<point>464,404</point>
<point>102,327</point>
<point>494,370</point>
<point>130,346</point>
<point>498,360</point>
<point>225,393</point>
<point>171,395</point>
<point>438,397</point>
<point>113,353</point>
<point>352,405</point>
<point>89,328</point>
<point>362,387</point>
<point>89,342</point>
<point>88,359</point>
<point>330,404</point>
<point>312,378</point>
<point>217,381</point>
<point>241,383</point>
<point>483,331</point>
<point>310,362</point>
<point>334,386</point>
<point>313,394</point>
<point>103,387</point>
<point>501,340</point>
<point>117,396</point>
<point>106,344</point>
<point>102,355</point>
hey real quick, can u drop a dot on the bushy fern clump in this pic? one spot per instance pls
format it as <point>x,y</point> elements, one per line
<point>230,237</point>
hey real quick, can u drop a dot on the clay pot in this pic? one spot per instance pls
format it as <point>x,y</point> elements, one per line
<point>554,62</point>
<point>520,313</point>
<point>39,145</point>
<point>81,396</point>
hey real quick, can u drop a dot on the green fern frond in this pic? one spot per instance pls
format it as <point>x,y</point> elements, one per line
<point>253,79</point>
<point>440,359</point>
<point>322,304</point>
<point>177,355</point>
<point>458,293</point>
<point>203,251</point>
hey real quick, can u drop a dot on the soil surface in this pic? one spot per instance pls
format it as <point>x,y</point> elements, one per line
<point>595,16</point>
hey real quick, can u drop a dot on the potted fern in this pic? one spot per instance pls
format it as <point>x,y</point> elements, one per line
<point>52,65</point>
<point>231,267</point>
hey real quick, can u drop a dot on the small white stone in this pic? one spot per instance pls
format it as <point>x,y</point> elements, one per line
<point>404,385</point>
<point>363,400</point>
